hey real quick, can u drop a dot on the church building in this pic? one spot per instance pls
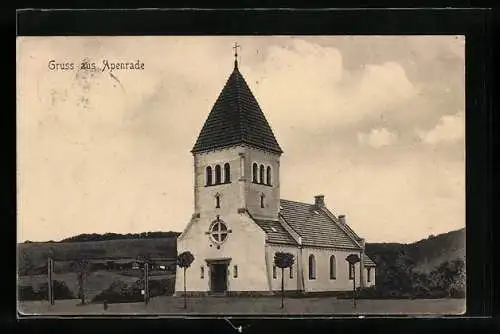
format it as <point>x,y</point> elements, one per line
<point>240,221</point>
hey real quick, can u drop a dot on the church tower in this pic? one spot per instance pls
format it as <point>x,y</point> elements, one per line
<point>239,221</point>
<point>236,157</point>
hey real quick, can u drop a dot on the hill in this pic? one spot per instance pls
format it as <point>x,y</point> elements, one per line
<point>432,267</point>
<point>117,236</point>
<point>424,255</point>
<point>33,255</point>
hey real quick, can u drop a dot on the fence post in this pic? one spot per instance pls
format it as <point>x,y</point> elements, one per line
<point>354,284</point>
<point>50,285</point>
<point>146,283</point>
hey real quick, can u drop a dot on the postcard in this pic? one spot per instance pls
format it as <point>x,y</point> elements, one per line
<point>220,175</point>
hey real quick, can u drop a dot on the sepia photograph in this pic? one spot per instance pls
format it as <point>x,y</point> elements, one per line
<point>241,175</point>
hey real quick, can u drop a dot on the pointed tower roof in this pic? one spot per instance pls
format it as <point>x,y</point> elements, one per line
<point>236,118</point>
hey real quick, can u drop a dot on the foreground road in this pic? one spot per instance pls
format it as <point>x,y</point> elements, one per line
<point>249,306</point>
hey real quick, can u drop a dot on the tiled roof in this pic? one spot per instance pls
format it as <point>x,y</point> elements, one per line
<point>314,226</point>
<point>236,118</point>
<point>368,262</point>
<point>275,232</point>
<point>347,229</point>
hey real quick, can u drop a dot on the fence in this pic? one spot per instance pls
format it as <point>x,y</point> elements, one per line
<point>93,275</point>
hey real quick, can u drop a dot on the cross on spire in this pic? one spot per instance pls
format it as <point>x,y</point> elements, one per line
<point>235,47</point>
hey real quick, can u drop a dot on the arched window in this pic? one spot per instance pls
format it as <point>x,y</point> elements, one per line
<point>261,174</point>
<point>255,171</point>
<point>227,173</point>
<point>209,175</point>
<point>333,267</point>
<point>268,175</point>
<point>217,174</point>
<point>312,267</point>
<point>217,201</point>
<point>262,200</point>
<point>291,271</point>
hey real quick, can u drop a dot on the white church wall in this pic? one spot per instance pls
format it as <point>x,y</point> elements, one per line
<point>289,283</point>
<point>231,193</point>
<point>323,282</point>
<point>245,246</point>
<point>371,273</point>
<point>254,191</point>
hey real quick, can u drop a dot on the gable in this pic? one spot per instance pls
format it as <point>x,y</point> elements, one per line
<point>276,233</point>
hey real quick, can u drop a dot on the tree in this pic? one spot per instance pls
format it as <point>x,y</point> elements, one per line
<point>406,262</point>
<point>184,261</point>
<point>353,259</point>
<point>283,260</point>
<point>459,282</point>
<point>26,263</point>
<point>81,267</point>
<point>449,277</point>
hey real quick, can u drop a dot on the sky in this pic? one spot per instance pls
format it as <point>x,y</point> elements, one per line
<point>374,123</point>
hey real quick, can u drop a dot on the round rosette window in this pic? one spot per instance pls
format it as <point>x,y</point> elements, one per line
<point>218,232</point>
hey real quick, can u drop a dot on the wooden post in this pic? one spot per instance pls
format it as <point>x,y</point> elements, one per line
<point>282,287</point>
<point>146,283</point>
<point>50,285</point>
<point>354,284</point>
<point>362,264</point>
<point>185,301</point>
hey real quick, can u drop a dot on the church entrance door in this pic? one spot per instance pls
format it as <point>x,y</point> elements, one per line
<point>218,277</point>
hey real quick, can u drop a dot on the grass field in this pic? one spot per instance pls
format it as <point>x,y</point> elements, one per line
<point>249,306</point>
<point>95,283</point>
<point>36,253</point>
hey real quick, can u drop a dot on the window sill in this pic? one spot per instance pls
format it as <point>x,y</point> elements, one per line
<point>217,184</point>
<point>262,184</point>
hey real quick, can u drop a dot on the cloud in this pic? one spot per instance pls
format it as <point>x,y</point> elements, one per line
<point>377,138</point>
<point>451,128</point>
<point>303,78</point>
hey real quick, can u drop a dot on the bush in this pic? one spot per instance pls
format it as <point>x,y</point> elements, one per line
<point>375,292</point>
<point>162,287</point>
<point>120,292</point>
<point>28,293</point>
<point>457,293</point>
<point>61,291</point>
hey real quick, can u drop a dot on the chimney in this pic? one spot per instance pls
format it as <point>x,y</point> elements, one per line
<point>342,219</point>
<point>319,200</point>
